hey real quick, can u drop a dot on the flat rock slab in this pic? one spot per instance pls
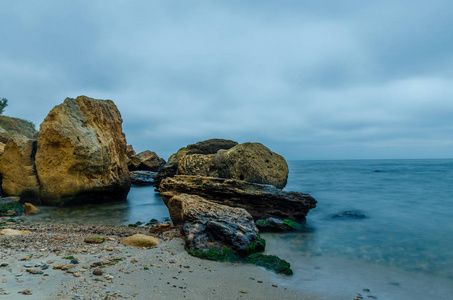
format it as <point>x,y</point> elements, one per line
<point>260,200</point>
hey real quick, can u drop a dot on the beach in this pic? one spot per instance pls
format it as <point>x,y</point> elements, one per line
<point>162,272</point>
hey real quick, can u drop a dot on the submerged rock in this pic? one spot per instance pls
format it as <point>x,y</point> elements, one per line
<point>81,153</point>
<point>277,225</point>
<point>349,214</point>
<point>261,201</point>
<point>142,177</point>
<point>17,167</point>
<point>211,227</point>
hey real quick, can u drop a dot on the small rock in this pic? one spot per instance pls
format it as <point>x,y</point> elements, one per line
<point>74,261</point>
<point>76,274</point>
<point>109,277</point>
<point>34,271</point>
<point>30,209</point>
<point>14,232</point>
<point>3,264</point>
<point>25,292</point>
<point>97,272</point>
<point>57,267</point>
<point>140,240</point>
<point>94,240</point>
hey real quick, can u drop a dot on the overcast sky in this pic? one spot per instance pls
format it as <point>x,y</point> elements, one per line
<point>308,79</point>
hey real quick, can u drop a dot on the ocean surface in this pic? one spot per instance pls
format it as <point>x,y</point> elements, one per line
<point>391,214</point>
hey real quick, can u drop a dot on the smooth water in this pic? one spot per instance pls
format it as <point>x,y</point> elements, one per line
<point>408,206</point>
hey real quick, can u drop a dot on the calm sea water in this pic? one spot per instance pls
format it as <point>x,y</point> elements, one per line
<point>408,208</point>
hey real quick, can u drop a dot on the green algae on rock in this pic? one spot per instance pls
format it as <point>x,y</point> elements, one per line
<point>94,240</point>
<point>271,262</point>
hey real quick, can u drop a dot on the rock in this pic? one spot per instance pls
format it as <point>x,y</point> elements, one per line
<point>97,272</point>
<point>34,271</point>
<point>81,153</point>
<point>2,148</point>
<point>4,136</point>
<point>10,206</point>
<point>349,214</point>
<point>205,147</point>
<point>130,152</point>
<point>140,240</point>
<point>30,209</point>
<point>14,232</point>
<point>208,225</point>
<point>146,161</point>
<point>142,177</point>
<point>261,201</point>
<point>94,240</point>
<point>252,162</point>
<point>277,225</point>
<point>17,166</point>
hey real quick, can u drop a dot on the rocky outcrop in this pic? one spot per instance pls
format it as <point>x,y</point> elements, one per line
<point>81,153</point>
<point>261,201</point>
<point>251,162</point>
<point>146,161</point>
<point>207,225</point>
<point>141,178</point>
<point>4,136</point>
<point>205,147</point>
<point>17,166</point>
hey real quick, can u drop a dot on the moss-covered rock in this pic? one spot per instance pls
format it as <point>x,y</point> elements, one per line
<point>278,225</point>
<point>11,206</point>
<point>94,240</point>
<point>271,262</point>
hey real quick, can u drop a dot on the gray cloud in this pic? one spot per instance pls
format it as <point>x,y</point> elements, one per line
<point>309,79</point>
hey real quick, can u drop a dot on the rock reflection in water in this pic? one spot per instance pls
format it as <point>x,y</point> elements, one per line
<point>143,204</point>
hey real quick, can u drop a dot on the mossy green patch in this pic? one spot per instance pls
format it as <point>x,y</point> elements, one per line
<point>94,240</point>
<point>271,262</point>
<point>11,209</point>
<point>217,254</point>
<point>292,224</point>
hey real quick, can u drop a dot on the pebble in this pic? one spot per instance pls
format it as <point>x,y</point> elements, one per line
<point>109,277</point>
<point>74,261</point>
<point>4,264</point>
<point>34,271</point>
<point>97,272</point>
<point>76,274</point>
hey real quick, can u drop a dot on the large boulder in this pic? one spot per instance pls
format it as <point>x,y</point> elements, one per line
<point>17,167</point>
<point>146,161</point>
<point>251,162</point>
<point>207,225</point>
<point>81,153</point>
<point>260,200</point>
<point>205,147</point>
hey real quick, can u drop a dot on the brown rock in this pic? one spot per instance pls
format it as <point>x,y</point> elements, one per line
<point>2,148</point>
<point>4,136</point>
<point>81,153</point>
<point>205,147</point>
<point>14,232</point>
<point>261,201</point>
<point>252,162</point>
<point>17,166</point>
<point>146,161</point>
<point>140,240</point>
<point>30,209</point>
<point>130,152</point>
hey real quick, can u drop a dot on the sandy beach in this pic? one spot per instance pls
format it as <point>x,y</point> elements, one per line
<point>38,266</point>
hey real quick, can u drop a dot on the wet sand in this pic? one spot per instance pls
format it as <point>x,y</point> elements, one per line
<point>162,272</point>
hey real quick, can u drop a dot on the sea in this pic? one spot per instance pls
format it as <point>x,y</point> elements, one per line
<point>382,229</point>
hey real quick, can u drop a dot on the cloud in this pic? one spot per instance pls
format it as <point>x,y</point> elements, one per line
<point>311,79</point>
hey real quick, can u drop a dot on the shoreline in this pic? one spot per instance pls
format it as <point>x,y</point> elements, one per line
<point>166,271</point>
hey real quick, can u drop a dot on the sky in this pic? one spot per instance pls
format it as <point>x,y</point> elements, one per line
<point>308,79</point>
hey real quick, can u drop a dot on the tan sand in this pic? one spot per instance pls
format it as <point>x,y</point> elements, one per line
<point>162,272</point>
